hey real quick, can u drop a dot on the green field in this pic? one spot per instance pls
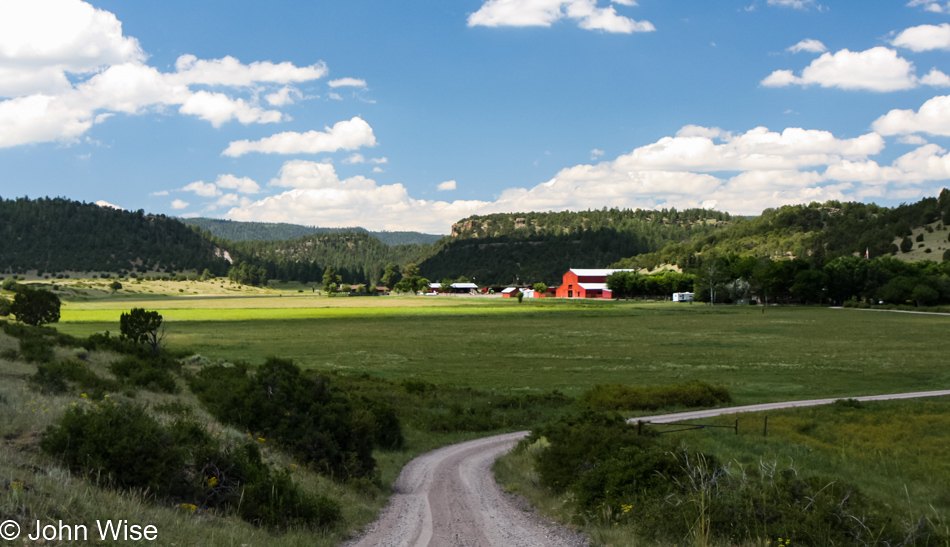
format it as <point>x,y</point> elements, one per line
<point>784,353</point>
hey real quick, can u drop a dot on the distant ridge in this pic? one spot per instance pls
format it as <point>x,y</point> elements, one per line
<point>236,230</point>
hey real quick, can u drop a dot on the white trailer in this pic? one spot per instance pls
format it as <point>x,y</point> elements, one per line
<point>682,297</point>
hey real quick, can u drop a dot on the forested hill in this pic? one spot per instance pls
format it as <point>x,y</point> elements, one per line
<point>540,247</point>
<point>358,257</point>
<point>820,232</point>
<point>59,235</point>
<point>274,231</point>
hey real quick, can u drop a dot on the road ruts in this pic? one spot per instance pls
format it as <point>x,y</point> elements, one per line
<point>448,497</point>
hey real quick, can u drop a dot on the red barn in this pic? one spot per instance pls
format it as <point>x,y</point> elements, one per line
<point>586,284</point>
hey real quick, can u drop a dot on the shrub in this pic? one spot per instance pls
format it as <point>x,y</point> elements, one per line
<point>52,377</point>
<point>121,442</point>
<point>303,413</point>
<point>153,374</point>
<point>620,397</point>
<point>36,349</point>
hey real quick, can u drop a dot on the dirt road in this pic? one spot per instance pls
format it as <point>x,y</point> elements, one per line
<point>448,497</point>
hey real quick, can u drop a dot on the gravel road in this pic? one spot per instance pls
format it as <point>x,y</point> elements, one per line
<point>448,497</point>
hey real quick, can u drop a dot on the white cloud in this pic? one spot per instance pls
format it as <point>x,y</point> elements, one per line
<point>159,193</point>
<point>202,188</point>
<point>924,37</point>
<point>527,13</point>
<point>218,108</point>
<point>284,96</point>
<point>228,71</point>
<point>355,158</point>
<point>379,160</point>
<point>344,135</point>
<point>797,4</point>
<point>916,140</point>
<point>808,44</point>
<point>243,185</point>
<point>377,169</point>
<point>933,118</point>
<point>347,82</point>
<point>446,186</point>
<point>104,203</point>
<point>877,69</point>
<point>179,204</point>
<point>596,153</point>
<point>66,66</point>
<point>41,40</point>
<point>931,5</point>
<point>700,167</point>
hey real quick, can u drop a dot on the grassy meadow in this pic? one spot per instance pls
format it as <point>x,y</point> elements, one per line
<point>463,367</point>
<point>545,344</point>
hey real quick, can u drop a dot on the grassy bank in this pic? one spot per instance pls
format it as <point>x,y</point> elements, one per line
<point>891,452</point>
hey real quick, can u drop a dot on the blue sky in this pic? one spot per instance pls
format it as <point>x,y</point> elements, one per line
<point>412,115</point>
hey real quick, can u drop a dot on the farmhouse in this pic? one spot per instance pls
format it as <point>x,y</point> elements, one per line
<point>578,283</point>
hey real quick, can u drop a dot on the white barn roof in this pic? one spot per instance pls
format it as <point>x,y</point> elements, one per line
<point>464,286</point>
<point>596,273</point>
<point>594,286</point>
<point>509,290</point>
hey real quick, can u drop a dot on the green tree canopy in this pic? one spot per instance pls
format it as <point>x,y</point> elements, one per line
<point>36,307</point>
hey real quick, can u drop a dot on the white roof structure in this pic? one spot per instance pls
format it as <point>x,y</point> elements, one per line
<point>594,286</point>
<point>435,285</point>
<point>596,273</point>
<point>509,290</point>
<point>464,286</point>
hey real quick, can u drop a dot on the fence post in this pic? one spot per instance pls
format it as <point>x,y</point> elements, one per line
<point>765,428</point>
<point>737,426</point>
<point>639,427</point>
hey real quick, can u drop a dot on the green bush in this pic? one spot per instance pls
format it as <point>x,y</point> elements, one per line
<point>620,397</point>
<point>36,349</point>
<point>303,413</point>
<point>126,447</point>
<point>122,443</point>
<point>52,377</point>
<point>153,374</point>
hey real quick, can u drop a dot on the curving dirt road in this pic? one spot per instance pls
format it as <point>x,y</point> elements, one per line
<point>449,496</point>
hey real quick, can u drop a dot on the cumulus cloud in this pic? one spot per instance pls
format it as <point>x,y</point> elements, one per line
<point>528,13</point>
<point>203,189</point>
<point>933,117</point>
<point>66,66</point>
<point>924,37</point>
<point>355,158</point>
<point>446,186</point>
<point>243,185</point>
<point>179,204</point>
<point>347,82</point>
<point>284,96</point>
<point>808,44</point>
<point>596,153</point>
<point>931,5</point>
<point>344,135</point>
<point>877,69</point>
<point>699,167</point>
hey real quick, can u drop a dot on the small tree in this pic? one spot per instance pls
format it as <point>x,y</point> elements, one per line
<point>4,307</point>
<point>35,307</point>
<point>446,285</point>
<point>10,284</point>
<point>115,286</point>
<point>143,327</point>
<point>906,245</point>
<point>540,288</point>
<point>520,296</point>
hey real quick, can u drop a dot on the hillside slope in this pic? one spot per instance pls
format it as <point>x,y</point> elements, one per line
<point>820,232</point>
<point>540,247</point>
<point>273,231</point>
<point>58,235</point>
